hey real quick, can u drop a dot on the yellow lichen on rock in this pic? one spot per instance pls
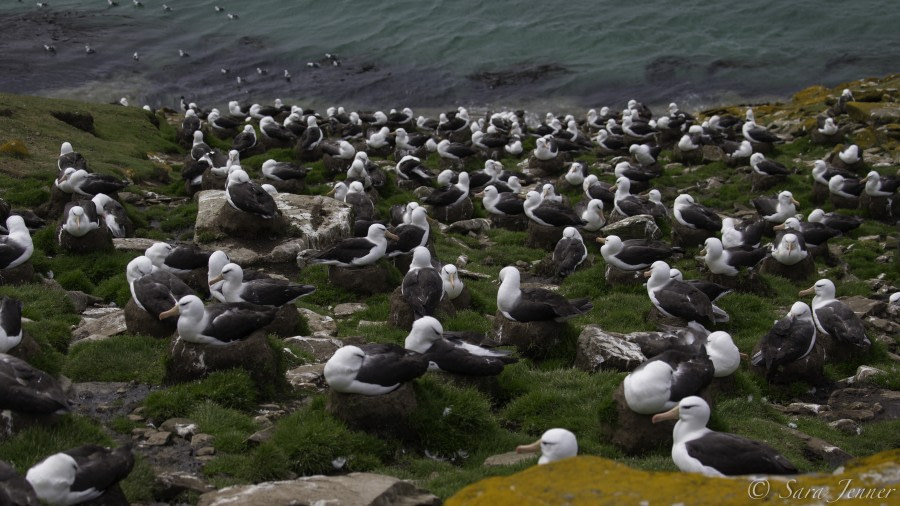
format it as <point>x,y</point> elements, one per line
<point>597,481</point>
<point>811,95</point>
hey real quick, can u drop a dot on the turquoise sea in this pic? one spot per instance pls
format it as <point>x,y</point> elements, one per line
<point>549,55</point>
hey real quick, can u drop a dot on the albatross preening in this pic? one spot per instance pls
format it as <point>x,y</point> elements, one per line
<point>697,449</point>
<point>79,474</point>
<point>262,292</point>
<point>790,339</point>
<point>665,379</point>
<point>834,318</point>
<point>16,247</point>
<point>26,389</point>
<point>454,355</point>
<point>534,304</point>
<point>373,369</point>
<point>422,287</point>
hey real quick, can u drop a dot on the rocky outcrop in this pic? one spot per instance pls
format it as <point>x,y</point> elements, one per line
<point>599,481</point>
<point>598,351</point>
<point>308,221</point>
<point>354,489</point>
<point>641,226</point>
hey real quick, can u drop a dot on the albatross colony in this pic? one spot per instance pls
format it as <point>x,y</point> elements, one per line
<point>530,194</point>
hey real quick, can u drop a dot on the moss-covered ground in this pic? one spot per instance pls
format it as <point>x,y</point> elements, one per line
<point>454,428</point>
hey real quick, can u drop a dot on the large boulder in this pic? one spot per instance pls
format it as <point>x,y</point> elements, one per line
<point>354,489</point>
<point>385,415</point>
<point>310,222</point>
<point>189,361</point>
<point>216,218</point>
<point>598,351</point>
<point>641,226</point>
<point>577,481</point>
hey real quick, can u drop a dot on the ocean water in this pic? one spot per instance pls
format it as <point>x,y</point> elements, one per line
<point>549,55</point>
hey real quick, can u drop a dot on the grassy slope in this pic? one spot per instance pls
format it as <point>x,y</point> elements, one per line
<point>447,450</point>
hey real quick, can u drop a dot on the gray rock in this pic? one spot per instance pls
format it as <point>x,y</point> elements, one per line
<point>475,225</point>
<point>508,459</point>
<point>818,449</point>
<point>321,326</point>
<point>81,301</point>
<point>348,309</point>
<point>862,376</point>
<point>206,451</point>
<point>354,489</point>
<point>846,426</point>
<point>109,325</point>
<point>598,350</point>
<point>386,415</point>
<point>863,405</point>
<point>182,427</point>
<point>201,440</point>
<point>136,244</point>
<point>189,361</point>
<point>307,377</point>
<point>864,307</point>
<point>261,436</point>
<point>712,153</point>
<point>310,221</point>
<point>159,438</point>
<point>320,348</point>
<point>641,226</point>
<point>169,484</point>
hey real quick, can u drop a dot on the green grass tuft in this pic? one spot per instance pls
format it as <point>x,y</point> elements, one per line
<point>119,358</point>
<point>231,389</point>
